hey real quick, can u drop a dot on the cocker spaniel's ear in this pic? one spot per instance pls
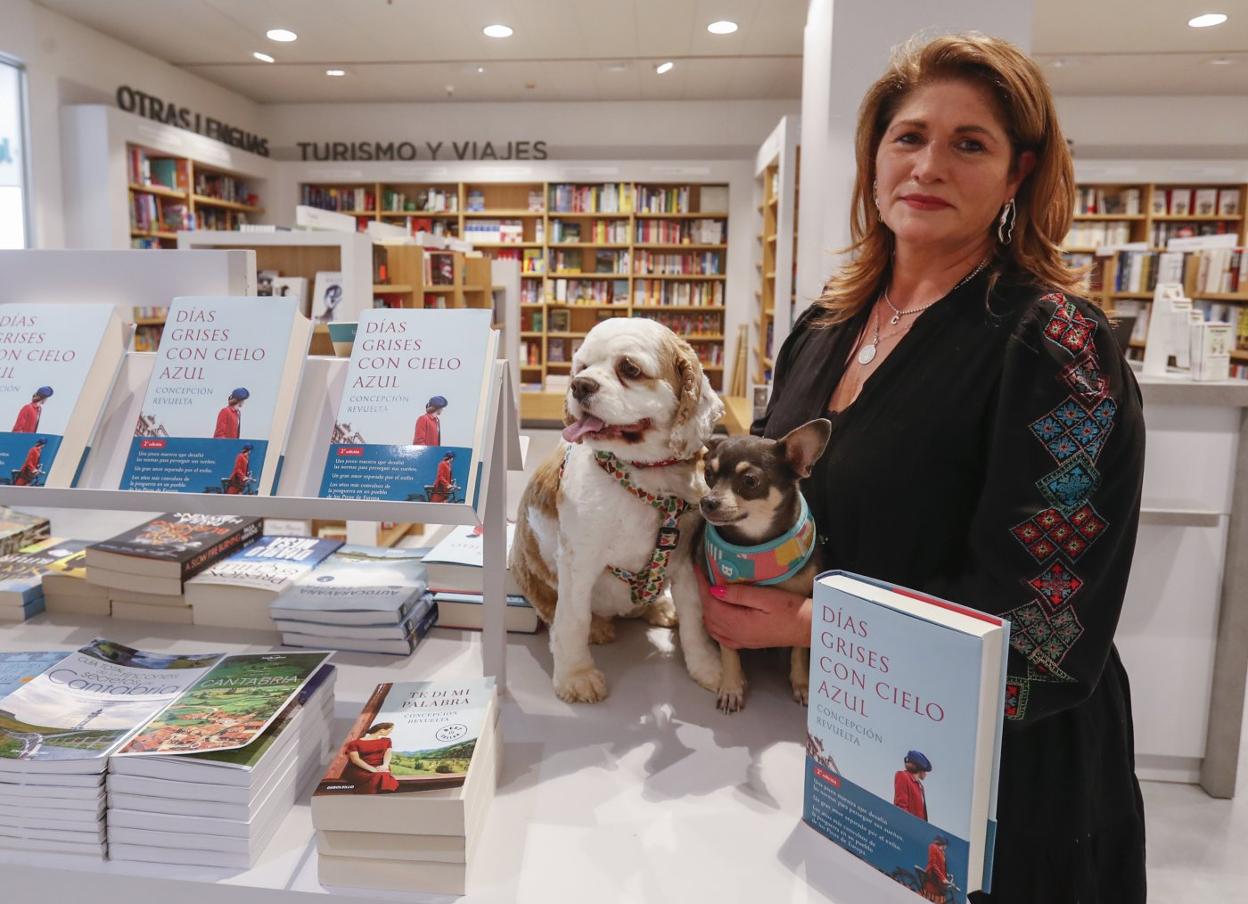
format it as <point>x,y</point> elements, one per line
<point>698,406</point>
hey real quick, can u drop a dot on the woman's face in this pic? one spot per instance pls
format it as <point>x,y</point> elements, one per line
<point>943,166</point>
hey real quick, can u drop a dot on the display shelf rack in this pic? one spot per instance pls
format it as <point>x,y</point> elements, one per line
<point>776,182</point>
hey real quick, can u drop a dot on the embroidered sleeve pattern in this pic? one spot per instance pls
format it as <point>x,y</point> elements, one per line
<point>1055,543</point>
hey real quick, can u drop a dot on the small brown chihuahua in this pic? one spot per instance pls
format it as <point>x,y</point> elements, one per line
<point>760,531</point>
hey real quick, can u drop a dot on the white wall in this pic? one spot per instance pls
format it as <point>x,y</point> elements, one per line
<point>1156,127</point>
<point>616,130</point>
<point>68,63</point>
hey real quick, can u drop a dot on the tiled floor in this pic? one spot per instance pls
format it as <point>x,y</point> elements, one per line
<point>1197,846</point>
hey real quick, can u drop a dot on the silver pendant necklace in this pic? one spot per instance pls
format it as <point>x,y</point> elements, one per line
<point>868,352</point>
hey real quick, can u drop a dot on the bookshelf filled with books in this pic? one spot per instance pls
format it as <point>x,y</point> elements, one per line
<point>1122,233</point>
<point>587,251</point>
<point>776,178</point>
<point>169,194</point>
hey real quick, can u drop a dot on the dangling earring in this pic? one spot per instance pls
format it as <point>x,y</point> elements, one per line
<point>875,196</point>
<point>1005,226</point>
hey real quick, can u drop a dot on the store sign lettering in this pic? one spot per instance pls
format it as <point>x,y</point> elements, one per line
<point>132,100</point>
<point>321,151</point>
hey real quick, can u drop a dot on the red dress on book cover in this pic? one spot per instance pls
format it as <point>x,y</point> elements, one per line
<point>428,431</point>
<point>908,794</point>
<point>229,423</point>
<point>374,753</point>
<point>937,875</point>
<point>27,419</point>
<point>238,477</point>
<point>30,468</point>
<point>442,483</point>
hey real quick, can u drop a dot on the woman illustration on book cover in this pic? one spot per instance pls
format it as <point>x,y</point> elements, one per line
<point>444,483</point>
<point>230,418</point>
<point>28,417</point>
<point>333,295</point>
<point>241,475</point>
<point>368,761</point>
<point>936,878</point>
<point>908,793</point>
<point>429,424</point>
<point>31,469</point>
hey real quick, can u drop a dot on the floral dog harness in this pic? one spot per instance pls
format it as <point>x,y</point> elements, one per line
<point>768,563</point>
<point>646,585</point>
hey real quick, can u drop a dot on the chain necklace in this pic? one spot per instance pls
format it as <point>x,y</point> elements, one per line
<point>867,353</point>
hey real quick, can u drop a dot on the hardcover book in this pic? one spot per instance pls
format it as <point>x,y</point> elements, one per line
<point>413,736</point>
<point>411,416</point>
<point>219,404</point>
<point>907,701</point>
<point>71,717</point>
<point>57,367</point>
<point>178,545</point>
<point>229,707</point>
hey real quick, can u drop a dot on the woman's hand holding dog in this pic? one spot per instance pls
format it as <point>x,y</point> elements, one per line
<point>741,616</point>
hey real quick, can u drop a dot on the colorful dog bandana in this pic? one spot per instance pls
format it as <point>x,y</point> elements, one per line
<point>767,563</point>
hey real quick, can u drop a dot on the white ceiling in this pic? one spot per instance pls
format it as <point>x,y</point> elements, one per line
<point>412,50</point>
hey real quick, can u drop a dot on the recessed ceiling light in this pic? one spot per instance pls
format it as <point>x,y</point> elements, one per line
<point>336,73</point>
<point>1059,64</point>
<point>497,31</point>
<point>722,27</point>
<point>262,57</point>
<point>1221,61</point>
<point>1207,20</point>
<point>281,35</point>
<point>480,69</point>
<point>664,67</point>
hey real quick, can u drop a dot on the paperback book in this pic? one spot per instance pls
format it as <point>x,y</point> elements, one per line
<point>17,668</point>
<point>219,404</point>
<point>456,561</point>
<point>69,718</point>
<point>18,529</point>
<point>409,424</point>
<point>907,701</point>
<point>176,546</point>
<point>22,572</point>
<point>229,707</point>
<point>357,585</point>
<point>57,367</point>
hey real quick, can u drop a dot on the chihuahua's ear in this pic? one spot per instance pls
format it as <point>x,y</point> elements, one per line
<point>802,446</point>
<point>713,444</point>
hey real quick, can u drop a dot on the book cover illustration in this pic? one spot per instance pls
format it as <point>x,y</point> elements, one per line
<point>891,735</point>
<point>46,354</point>
<point>183,537</point>
<point>409,414</point>
<point>327,295</point>
<point>464,546</point>
<point>18,668</point>
<point>210,403</point>
<point>354,578</point>
<point>22,571</point>
<point>412,736</point>
<point>249,756</point>
<point>270,563</point>
<point>228,707</point>
<point>91,700</point>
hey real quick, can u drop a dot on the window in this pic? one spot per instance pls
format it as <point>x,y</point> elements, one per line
<point>13,219</point>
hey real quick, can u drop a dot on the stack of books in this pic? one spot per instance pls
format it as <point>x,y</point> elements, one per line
<point>236,592</point>
<point>403,804</point>
<point>60,728</point>
<point>221,808</point>
<point>17,821</point>
<point>363,599</point>
<point>67,590</point>
<point>145,568</point>
<point>456,578</point>
<point>18,529</point>
<point>22,573</point>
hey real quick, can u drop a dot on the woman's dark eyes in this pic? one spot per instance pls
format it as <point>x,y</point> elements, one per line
<point>914,138</point>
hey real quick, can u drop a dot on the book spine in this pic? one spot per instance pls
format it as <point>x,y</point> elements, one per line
<point>240,538</point>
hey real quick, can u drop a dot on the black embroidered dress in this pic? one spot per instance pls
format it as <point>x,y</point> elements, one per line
<point>995,458</point>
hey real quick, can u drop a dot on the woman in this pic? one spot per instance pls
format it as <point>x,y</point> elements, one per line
<point>368,761</point>
<point>987,444</point>
<point>444,481</point>
<point>908,793</point>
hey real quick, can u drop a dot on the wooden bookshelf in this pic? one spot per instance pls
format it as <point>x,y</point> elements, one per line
<point>168,194</point>
<point>766,295</point>
<point>665,247</point>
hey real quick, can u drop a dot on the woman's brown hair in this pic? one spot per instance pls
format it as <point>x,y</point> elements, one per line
<point>379,726</point>
<point>1044,202</point>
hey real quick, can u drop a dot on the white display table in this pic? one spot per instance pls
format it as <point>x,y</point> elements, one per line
<point>651,796</point>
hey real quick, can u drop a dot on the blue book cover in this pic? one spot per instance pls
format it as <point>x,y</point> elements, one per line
<point>18,668</point>
<point>355,578</point>
<point>57,366</point>
<point>903,732</point>
<point>218,406</point>
<point>412,410</point>
<point>271,563</point>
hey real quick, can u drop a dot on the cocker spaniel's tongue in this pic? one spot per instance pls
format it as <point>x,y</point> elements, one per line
<point>586,426</point>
